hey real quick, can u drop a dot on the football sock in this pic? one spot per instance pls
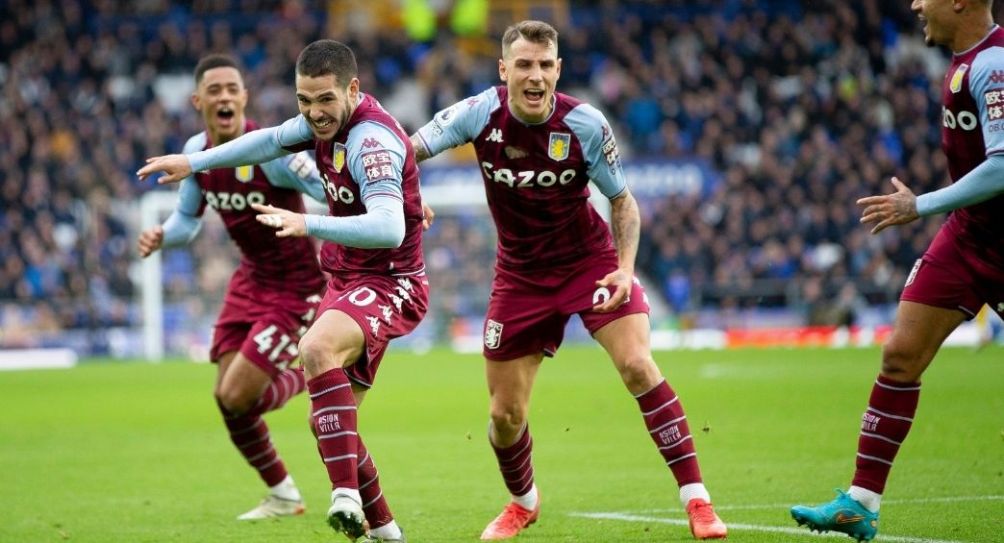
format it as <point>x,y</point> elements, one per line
<point>693,491</point>
<point>250,435</point>
<point>515,465</point>
<point>333,414</point>
<point>286,489</point>
<point>374,505</point>
<point>285,385</point>
<point>529,500</point>
<point>350,492</point>
<point>884,426</point>
<point>865,497</point>
<point>668,427</point>
<point>388,531</point>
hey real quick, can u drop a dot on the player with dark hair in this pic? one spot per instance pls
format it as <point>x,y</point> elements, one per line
<point>373,249</point>
<point>962,269</point>
<point>537,150</point>
<point>272,295</point>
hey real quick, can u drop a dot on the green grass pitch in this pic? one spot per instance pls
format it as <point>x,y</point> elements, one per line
<point>115,452</point>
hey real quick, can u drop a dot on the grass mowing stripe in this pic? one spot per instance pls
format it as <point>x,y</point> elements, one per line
<point>757,528</point>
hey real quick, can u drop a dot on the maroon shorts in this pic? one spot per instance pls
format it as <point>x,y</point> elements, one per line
<point>265,325</point>
<point>526,315</point>
<point>384,307</point>
<point>947,276</point>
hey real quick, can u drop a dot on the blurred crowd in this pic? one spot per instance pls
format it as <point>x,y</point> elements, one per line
<point>801,107</point>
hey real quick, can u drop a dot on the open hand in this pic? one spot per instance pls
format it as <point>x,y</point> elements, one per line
<point>284,221</point>
<point>174,168</point>
<point>887,210</point>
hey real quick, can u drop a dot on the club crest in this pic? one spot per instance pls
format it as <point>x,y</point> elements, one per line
<point>244,173</point>
<point>956,84</point>
<point>493,334</point>
<point>557,147</point>
<point>338,157</point>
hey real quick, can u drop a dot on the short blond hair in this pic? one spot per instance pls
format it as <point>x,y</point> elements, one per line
<point>531,31</point>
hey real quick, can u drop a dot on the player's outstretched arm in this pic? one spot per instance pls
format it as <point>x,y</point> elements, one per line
<point>173,167</point>
<point>286,223</point>
<point>888,210</point>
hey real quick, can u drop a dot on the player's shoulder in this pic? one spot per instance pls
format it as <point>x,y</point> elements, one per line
<point>477,106</point>
<point>373,134</point>
<point>196,143</point>
<point>583,118</point>
<point>988,54</point>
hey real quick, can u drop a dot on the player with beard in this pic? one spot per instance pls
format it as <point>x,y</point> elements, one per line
<point>537,149</point>
<point>963,267</point>
<point>273,293</point>
<point>372,249</point>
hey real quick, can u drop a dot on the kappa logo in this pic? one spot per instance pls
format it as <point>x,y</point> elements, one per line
<point>493,334</point>
<point>997,76</point>
<point>370,143</point>
<point>495,136</point>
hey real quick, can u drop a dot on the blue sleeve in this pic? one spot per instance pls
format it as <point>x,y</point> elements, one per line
<point>298,172</point>
<point>980,184</point>
<point>180,229</point>
<point>599,149</point>
<point>184,223</point>
<point>254,147</point>
<point>987,88</point>
<point>381,227</point>
<point>376,160</point>
<point>459,123</point>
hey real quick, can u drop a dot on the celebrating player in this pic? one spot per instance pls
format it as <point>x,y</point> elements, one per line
<point>537,150</point>
<point>272,294</point>
<point>373,250</point>
<point>962,268</point>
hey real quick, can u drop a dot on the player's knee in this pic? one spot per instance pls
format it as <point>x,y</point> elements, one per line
<point>313,353</point>
<point>508,418</point>
<point>235,400</point>
<point>639,373</point>
<point>900,362</point>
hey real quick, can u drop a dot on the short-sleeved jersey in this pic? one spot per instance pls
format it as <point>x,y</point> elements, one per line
<point>536,175</point>
<point>363,160</point>
<point>973,129</point>
<point>287,264</point>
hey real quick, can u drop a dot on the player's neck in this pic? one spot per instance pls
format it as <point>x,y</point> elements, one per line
<point>970,35</point>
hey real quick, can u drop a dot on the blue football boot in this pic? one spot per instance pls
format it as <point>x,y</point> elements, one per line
<point>844,514</point>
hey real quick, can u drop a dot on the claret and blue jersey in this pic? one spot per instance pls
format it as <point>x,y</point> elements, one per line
<point>536,175</point>
<point>972,131</point>
<point>231,191</point>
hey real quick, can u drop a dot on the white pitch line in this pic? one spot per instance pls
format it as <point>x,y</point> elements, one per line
<point>946,499</point>
<point>756,528</point>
